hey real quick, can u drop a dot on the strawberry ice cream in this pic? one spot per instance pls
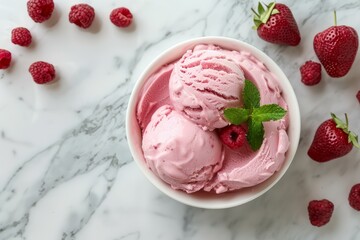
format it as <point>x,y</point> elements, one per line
<point>203,83</point>
<point>181,108</point>
<point>180,152</point>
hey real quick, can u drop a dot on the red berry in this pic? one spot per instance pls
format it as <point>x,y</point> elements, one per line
<point>82,15</point>
<point>310,73</point>
<point>5,58</point>
<point>121,17</point>
<point>332,140</point>
<point>42,72</point>
<point>21,36</point>
<point>276,24</point>
<point>354,197</point>
<point>336,48</point>
<point>40,10</point>
<point>358,96</point>
<point>320,212</point>
<point>233,136</point>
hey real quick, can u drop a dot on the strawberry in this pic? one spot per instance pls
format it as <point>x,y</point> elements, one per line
<point>332,140</point>
<point>336,48</point>
<point>276,24</point>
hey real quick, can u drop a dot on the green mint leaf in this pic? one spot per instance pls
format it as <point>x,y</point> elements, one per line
<point>255,134</point>
<point>236,116</point>
<point>268,112</point>
<point>251,95</point>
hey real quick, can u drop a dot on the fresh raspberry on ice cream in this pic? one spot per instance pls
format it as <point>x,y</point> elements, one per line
<point>121,17</point>
<point>310,73</point>
<point>354,197</point>
<point>40,10</point>
<point>320,212</point>
<point>42,72</point>
<point>233,136</point>
<point>358,96</point>
<point>82,15</point>
<point>5,58</point>
<point>21,36</point>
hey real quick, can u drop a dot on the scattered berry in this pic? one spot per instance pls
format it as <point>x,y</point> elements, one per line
<point>276,24</point>
<point>332,140</point>
<point>5,58</point>
<point>358,96</point>
<point>82,15</point>
<point>42,72</point>
<point>21,36</point>
<point>310,73</point>
<point>320,212</point>
<point>40,10</point>
<point>354,197</point>
<point>336,48</point>
<point>233,136</point>
<point>121,17</point>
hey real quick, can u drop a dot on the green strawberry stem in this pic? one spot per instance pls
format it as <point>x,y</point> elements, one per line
<point>255,12</point>
<point>335,18</point>
<point>346,121</point>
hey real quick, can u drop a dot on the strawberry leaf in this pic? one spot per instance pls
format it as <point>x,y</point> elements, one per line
<point>236,116</point>
<point>261,9</point>
<point>265,17</point>
<point>255,134</point>
<point>251,95</point>
<point>352,137</point>
<point>275,11</point>
<point>339,123</point>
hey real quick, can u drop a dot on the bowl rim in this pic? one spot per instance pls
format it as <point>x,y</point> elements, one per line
<point>176,51</point>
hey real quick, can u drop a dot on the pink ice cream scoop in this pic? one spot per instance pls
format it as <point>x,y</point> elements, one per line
<point>179,151</point>
<point>203,83</point>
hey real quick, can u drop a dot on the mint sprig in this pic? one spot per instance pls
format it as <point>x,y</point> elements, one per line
<point>254,114</point>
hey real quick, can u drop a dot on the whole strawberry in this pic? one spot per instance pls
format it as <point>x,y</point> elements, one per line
<point>336,48</point>
<point>276,24</point>
<point>332,140</point>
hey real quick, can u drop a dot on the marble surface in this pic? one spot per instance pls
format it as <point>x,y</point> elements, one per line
<point>65,168</point>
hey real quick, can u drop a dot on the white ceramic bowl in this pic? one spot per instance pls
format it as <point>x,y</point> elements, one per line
<point>203,199</point>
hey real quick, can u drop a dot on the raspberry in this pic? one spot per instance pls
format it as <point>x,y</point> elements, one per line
<point>42,72</point>
<point>40,10</point>
<point>233,136</point>
<point>354,197</point>
<point>310,73</point>
<point>5,58</point>
<point>21,36</point>
<point>358,96</point>
<point>320,212</point>
<point>121,17</point>
<point>82,15</point>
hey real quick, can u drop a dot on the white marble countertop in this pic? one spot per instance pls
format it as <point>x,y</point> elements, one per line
<point>65,168</point>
